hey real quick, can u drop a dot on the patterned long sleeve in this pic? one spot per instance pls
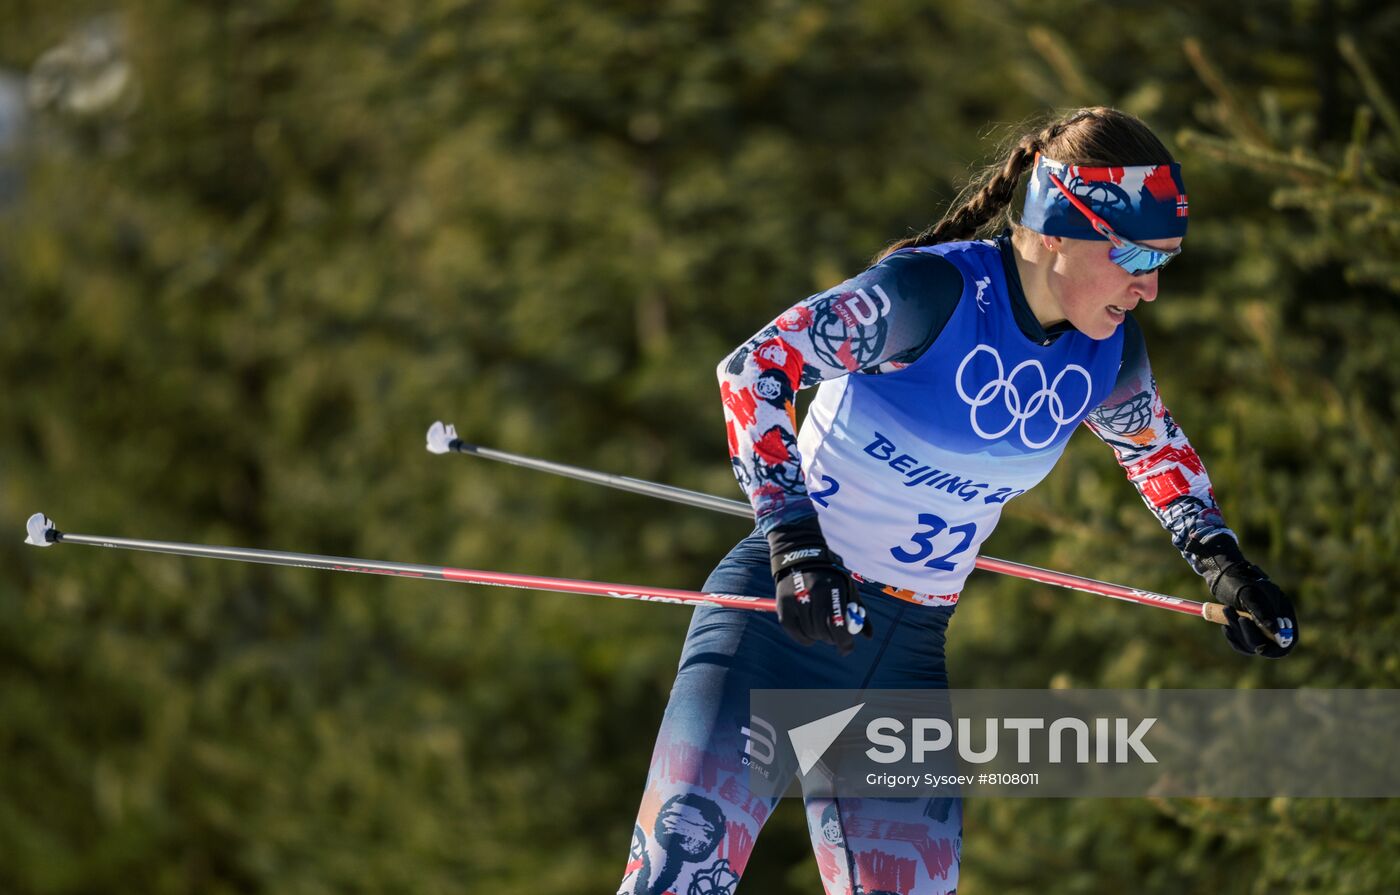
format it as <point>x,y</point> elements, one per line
<point>1154,452</point>
<point>877,322</point>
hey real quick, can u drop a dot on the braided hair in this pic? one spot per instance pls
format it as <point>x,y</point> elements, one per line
<point>1097,135</point>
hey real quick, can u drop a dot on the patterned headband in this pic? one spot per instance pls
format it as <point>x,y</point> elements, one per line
<point>1139,202</point>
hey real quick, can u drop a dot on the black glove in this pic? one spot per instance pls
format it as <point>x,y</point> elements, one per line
<point>1243,587</point>
<point>817,600</point>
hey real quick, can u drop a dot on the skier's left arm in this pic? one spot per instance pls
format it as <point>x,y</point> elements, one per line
<point>1172,480</point>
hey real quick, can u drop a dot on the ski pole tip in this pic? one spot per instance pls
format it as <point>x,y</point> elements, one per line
<point>441,437</point>
<point>40,531</point>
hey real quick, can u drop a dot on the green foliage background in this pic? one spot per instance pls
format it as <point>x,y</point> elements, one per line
<point>234,301</point>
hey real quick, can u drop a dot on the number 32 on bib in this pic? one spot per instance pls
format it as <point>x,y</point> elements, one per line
<point>931,526</point>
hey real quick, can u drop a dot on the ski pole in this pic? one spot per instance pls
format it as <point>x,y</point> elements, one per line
<point>442,439</point>
<point>41,532</point>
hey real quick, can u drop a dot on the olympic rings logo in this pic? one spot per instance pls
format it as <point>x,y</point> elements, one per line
<point>1047,397</point>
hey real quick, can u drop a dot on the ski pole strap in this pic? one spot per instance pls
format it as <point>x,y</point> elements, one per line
<point>803,556</point>
<point>799,543</point>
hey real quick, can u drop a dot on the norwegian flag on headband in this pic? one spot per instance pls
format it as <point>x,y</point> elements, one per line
<point>1138,201</point>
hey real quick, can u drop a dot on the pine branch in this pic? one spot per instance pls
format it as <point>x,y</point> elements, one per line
<point>1354,159</point>
<point>1236,115</point>
<point>1381,273</point>
<point>1331,198</point>
<point>1057,54</point>
<point>1370,83</point>
<point>1257,157</point>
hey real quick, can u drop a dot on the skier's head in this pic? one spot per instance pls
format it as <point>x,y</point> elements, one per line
<point>1104,209</point>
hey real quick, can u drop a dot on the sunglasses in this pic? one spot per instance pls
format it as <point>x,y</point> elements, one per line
<point>1133,257</point>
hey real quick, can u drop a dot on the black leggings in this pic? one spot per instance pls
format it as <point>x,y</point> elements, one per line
<point>698,819</point>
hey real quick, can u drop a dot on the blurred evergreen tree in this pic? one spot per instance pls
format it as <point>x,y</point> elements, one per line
<point>237,296</point>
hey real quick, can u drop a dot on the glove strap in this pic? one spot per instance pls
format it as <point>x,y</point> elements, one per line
<point>799,543</point>
<point>1221,554</point>
<point>803,556</point>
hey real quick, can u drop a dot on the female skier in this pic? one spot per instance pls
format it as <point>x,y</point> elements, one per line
<point>952,374</point>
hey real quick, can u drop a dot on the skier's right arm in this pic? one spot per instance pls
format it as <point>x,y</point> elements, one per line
<point>876,322</point>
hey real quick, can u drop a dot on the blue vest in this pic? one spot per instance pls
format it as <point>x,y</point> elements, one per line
<point>909,470</point>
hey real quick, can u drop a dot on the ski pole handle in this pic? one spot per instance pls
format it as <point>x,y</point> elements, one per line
<point>1215,612</point>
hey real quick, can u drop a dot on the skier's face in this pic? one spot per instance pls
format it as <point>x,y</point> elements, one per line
<point>1092,292</point>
